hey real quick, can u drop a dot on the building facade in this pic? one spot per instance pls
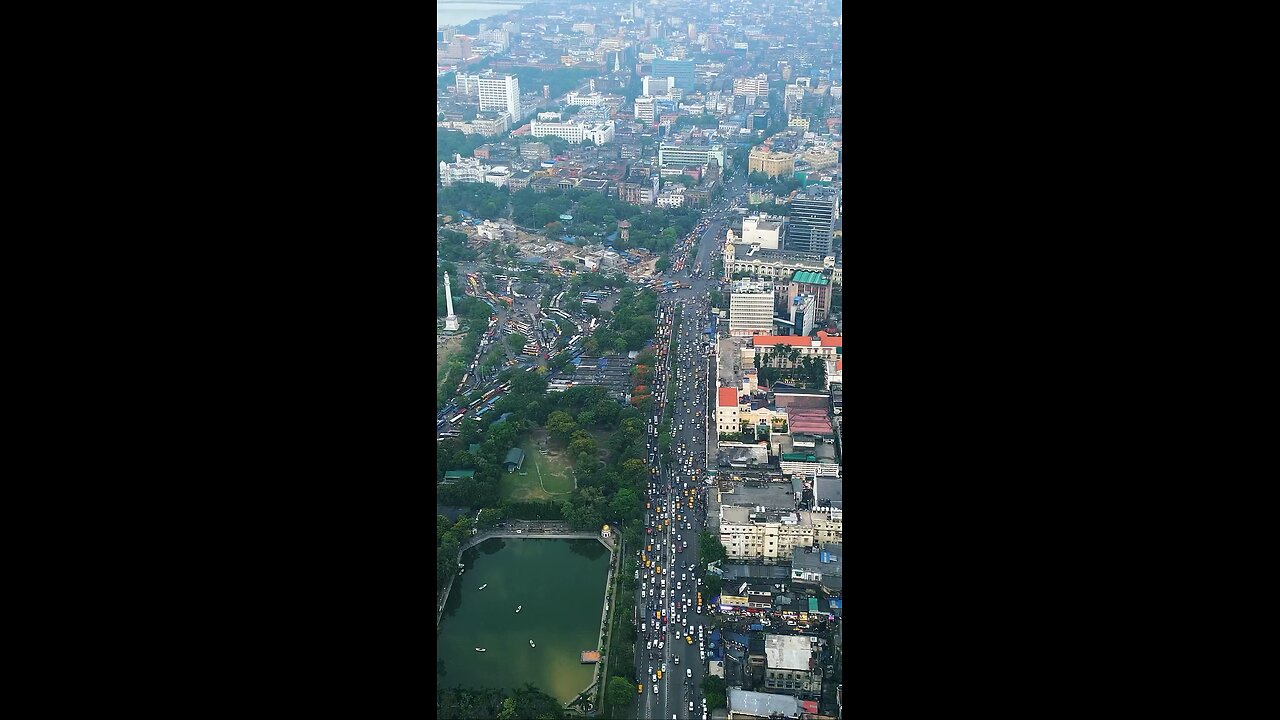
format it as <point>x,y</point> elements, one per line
<point>775,264</point>
<point>727,420</point>
<point>811,224</point>
<point>574,132</point>
<point>500,93</point>
<point>751,309</point>
<point>772,164</point>
<point>689,155</point>
<point>681,70</point>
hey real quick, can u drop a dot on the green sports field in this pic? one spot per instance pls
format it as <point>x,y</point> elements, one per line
<point>546,476</point>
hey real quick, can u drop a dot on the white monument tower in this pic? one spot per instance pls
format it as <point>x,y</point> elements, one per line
<point>450,320</point>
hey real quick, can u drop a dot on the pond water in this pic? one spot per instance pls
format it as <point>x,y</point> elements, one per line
<point>560,586</point>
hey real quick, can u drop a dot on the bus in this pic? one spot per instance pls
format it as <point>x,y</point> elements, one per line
<point>530,351</point>
<point>457,417</point>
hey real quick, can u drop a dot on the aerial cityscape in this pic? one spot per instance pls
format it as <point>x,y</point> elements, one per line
<point>639,358</point>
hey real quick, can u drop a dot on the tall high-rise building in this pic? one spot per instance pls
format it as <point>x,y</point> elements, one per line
<point>681,70</point>
<point>445,34</point>
<point>811,223</point>
<point>644,110</point>
<point>500,93</point>
<point>751,308</point>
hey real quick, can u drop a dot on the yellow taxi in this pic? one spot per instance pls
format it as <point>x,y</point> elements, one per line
<point>688,639</point>
<point>640,688</point>
<point>659,674</point>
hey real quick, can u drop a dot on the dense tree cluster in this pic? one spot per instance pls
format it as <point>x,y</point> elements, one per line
<point>454,142</point>
<point>482,200</point>
<point>526,703</point>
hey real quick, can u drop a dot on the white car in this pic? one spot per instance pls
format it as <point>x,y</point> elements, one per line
<point>688,672</point>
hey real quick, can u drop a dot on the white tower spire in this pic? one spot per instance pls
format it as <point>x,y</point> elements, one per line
<point>450,320</point>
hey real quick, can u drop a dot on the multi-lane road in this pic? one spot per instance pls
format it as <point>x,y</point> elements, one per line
<point>672,625</point>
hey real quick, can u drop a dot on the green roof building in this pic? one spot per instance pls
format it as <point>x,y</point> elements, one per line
<point>453,476</point>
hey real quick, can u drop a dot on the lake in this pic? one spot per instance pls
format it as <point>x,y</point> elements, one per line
<point>561,586</point>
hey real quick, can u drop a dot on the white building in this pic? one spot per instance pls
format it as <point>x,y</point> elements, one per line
<point>671,199</point>
<point>751,308</point>
<point>462,170</point>
<point>587,99</point>
<point>653,87</point>
<point>468,85</point>
<point>727,420</point>
<point>644,110</point>
<point>758,85</point>
<point>574,132</point>
<point>500,93</point>
<point>747,532</point>
<point>764,230</point>
<point>498,176</point>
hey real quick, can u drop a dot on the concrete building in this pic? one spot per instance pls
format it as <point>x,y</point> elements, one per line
<point>750,308</point>
<point>727,420</point>
<point>752,533</point>
<point>497,93</point>
<point>681,70</point>
<point>821,157</point>
<point>535,151</point>
<point>764,231</point>
<point>462,170</point>
<point>644,110</point>
<point>689,155</point>
<point>574,131</point>
<point>758,85</point>
<point>807,282</point>
<point>823,347</point>
<point>763,263</point>
<point>772,164</point>
<point>792,664</point>
<point>792,98</point>
<point>823,567</point>
<point>747,705</point>
<point>812,222</point>
<point>655,86</point>
<point>802,311</point>
<point>798,122</point>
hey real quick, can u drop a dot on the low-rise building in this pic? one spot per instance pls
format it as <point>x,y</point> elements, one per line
<point>792,664</point>
<point>748,705</point>
<point>747,533</point>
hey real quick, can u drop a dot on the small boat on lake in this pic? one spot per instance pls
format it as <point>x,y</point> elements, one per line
<point>480,649</point>
<point>484,586</point>
<point>518,608</point>
<point>531,644</point>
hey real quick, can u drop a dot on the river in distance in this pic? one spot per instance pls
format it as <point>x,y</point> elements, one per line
<point>461,14</point>
<point>560,586</point>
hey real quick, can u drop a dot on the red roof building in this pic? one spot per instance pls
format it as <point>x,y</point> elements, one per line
<point>728,397</point>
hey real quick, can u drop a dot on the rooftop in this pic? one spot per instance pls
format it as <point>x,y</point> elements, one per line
<point>728,397</point>
<point>812,278</point>
<point>788,652</point>
<point>745,702</point>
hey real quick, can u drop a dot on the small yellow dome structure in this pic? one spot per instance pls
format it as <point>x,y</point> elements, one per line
<point>605,531</point>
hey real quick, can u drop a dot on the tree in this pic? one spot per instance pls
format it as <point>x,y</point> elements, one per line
<point>620,691</point>
<point>516,342</point>
<point>713,688</point>
<point>508,710</point>
<point>561,426</point>
<point>663,264</point>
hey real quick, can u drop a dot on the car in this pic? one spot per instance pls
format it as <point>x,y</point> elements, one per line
<point>690,706</point>
<point>688,672</point>
<point>655,689</point>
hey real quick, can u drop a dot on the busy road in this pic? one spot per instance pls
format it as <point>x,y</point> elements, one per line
<point>673,617</point>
